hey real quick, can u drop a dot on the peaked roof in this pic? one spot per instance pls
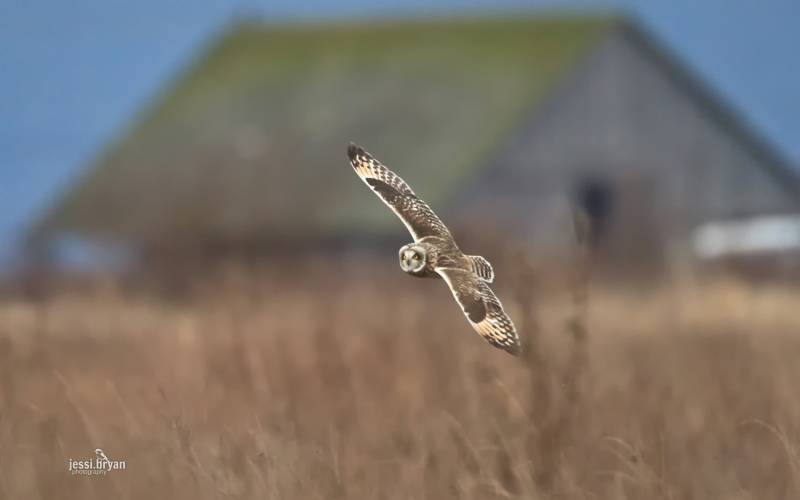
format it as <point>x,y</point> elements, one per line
<point>250,142</point>
<point>714,107</point>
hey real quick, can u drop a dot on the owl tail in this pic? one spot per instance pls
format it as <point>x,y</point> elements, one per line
<point>482,268</point>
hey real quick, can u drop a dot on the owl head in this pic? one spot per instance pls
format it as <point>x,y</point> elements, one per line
<point>413,258</point>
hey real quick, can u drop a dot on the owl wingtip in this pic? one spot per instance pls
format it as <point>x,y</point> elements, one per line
<point>354,150</point>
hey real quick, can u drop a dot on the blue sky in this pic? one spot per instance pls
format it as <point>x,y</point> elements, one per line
<point>74,74</point>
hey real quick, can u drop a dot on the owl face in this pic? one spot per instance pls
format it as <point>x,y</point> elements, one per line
<point>413,258</point>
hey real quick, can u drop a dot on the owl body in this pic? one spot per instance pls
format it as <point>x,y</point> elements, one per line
<point>420,259</point>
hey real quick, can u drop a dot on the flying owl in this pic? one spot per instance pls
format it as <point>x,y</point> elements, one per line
<point>434,253</point>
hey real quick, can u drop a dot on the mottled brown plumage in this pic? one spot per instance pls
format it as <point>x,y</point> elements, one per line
<point>435,253</point>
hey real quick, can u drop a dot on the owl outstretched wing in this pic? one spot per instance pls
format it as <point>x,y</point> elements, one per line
<point>415,213</point>
<point>482,308</point>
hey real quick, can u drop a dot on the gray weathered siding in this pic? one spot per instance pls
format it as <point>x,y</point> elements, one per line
<point>623,116</point>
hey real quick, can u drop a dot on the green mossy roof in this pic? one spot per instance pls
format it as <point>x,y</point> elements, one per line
<point>250,142</point>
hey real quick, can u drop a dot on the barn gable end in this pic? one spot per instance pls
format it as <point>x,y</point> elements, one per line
<point>632,135</point>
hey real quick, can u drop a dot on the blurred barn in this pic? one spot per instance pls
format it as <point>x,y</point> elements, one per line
<point>499,124</point>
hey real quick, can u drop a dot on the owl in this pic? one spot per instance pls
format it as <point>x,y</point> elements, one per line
<point>434,253</point>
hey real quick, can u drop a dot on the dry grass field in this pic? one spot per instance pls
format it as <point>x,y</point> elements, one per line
<point>268,385</point>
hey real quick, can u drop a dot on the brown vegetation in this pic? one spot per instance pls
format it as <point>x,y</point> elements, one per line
<point>373,386</point>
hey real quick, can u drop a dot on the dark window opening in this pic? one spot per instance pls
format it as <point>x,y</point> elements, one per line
<point>595,196</point>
